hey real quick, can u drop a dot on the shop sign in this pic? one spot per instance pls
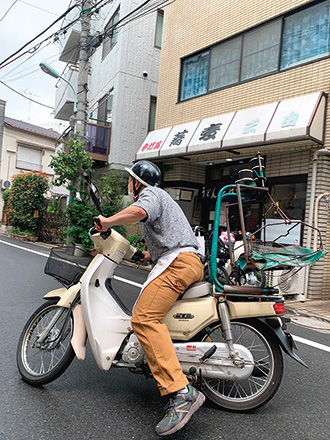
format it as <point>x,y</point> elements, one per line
<point>293,118</point>
<point>153,143</point>
<point>249,126</point>
<point>297,118</point>
<point>206,195</point>
<point>210,133</point>
<point>178,139</point>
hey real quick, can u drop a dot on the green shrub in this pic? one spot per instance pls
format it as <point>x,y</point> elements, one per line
<point>5,195</point>
<point>27,200</point>
<point>80,220</point>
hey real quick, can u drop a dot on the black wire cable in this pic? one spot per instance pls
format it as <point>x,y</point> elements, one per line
<point>39,35</point>
<point>21,94</point>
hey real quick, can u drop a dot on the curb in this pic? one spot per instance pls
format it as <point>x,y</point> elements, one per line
<point>307,314</point>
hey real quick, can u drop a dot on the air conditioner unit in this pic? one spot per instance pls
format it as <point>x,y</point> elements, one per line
<point>5,184</point>
<point>287,281</point>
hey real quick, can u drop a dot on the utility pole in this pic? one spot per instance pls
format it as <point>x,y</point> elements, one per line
<point>82,104</point>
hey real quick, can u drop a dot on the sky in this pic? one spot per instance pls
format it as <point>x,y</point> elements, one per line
<point>25,20</point>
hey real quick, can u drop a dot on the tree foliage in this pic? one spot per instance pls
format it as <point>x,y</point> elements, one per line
<point>27,200</point>
<point>70,166</point>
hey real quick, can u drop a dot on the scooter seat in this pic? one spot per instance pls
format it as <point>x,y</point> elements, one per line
<point>197,290</point>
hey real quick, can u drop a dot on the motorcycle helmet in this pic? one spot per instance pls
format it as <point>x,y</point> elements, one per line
<point>145,172</point>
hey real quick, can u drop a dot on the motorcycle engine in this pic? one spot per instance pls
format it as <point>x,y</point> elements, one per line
<point>132,352</point>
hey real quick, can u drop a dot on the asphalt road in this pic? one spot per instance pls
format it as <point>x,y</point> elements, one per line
<point>86,403</point>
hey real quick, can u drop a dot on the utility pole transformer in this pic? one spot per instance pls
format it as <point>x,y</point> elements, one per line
<point>82,104</point>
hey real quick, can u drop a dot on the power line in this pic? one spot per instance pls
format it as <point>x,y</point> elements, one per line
<point>37,7</point>
<point>2,64</point>
<point>23,96</point>
<point>8,10</point>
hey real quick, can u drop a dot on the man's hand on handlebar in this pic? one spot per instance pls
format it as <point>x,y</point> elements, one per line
<point>147,257</point>
<point>101,225</point>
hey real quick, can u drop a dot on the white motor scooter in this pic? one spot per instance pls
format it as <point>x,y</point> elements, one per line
<point>228,343</point>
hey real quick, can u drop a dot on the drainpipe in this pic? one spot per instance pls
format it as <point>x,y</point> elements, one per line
<point>323,152</point>
<point>316,214</point>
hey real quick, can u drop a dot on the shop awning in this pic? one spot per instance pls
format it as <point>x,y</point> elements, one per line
<point>293,119</point>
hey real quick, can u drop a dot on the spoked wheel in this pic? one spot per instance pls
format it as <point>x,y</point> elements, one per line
<point>266,376</point>
<point>252,277</point>
<point>222,275</point>
<point>42,362</point>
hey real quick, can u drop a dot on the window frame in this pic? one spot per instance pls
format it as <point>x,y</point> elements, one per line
<point>18,164</point>
<point>109,40</point>
<point>160,12</point>
<point>153,100</point>
<point>241,34</point>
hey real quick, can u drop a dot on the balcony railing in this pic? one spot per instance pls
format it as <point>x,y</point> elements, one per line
<point>98,141</point>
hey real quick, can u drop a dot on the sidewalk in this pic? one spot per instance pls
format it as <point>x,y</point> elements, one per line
<point>318,309</point>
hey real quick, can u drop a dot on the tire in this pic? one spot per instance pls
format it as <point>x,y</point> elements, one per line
<point>41,365</point>
<point>222,275</point>
<point>262,384</point>
<point>252,277</point>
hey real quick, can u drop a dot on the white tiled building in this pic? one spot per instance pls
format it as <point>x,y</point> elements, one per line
<point>122,85</point>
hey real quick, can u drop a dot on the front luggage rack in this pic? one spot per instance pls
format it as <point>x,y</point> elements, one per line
<point>66,267</point>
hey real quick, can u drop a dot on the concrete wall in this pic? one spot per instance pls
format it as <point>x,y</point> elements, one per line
<point>122,70</point>
<point>13,137</point>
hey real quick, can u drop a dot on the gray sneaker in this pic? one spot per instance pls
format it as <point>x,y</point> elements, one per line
<point>179,410</point>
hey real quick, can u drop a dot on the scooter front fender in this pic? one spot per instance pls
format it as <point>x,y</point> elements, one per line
<point>66,296</point>
<point>285,340</point>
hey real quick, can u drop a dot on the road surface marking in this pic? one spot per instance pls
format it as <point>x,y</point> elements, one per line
<point>133,283</point>
<point>24,248</point>
<point>311,343</point>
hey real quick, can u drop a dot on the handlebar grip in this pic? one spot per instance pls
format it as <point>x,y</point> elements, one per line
<point>97,221</point>
<point>139,255</point>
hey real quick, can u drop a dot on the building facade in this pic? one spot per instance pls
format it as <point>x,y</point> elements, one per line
<point>257,74</point>
<point>25,147</point>
<point>122,81</point>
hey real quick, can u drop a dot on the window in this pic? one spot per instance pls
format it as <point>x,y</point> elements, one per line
<point>152,113</point>
<point>291,40</point>
<point>195,74</point>
<point>104,112</point>
<point>225,63</point>
<point>111,34</point>
<point>159,28</point>
<point>29,158</point>
<point>261,48</point>
<point>306,35</point>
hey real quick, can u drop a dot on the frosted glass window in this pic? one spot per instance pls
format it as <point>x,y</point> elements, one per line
<point>224,63</point>
<point>261,48</point>
<point>159,29</point>
<point>306,35</point>
<point>195,75</point>
<point>29,158</point>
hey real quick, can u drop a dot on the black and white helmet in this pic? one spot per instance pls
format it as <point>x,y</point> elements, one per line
<point>146,173</point>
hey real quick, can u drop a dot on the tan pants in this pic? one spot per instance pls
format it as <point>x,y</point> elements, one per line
<point>153,304</point>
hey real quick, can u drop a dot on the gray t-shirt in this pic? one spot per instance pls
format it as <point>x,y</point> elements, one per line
<point>166,227</point>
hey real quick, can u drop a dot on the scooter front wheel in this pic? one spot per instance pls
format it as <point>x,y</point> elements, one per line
<point>41,362</point>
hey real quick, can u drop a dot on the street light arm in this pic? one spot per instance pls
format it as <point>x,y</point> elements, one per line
<point>74,94</point>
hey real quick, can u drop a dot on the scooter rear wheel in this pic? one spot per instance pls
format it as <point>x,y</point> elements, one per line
<point>41,363</point>
<point>262,384</point>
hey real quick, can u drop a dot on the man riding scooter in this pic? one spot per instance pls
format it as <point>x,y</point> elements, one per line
<point>173,246</point>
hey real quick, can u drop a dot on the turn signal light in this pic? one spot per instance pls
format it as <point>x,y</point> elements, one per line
<point>279,308</point>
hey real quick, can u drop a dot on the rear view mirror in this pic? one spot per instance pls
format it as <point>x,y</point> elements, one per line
<point>96,196</point>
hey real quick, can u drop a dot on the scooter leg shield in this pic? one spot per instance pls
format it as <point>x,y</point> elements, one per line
<point>79,336</point>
